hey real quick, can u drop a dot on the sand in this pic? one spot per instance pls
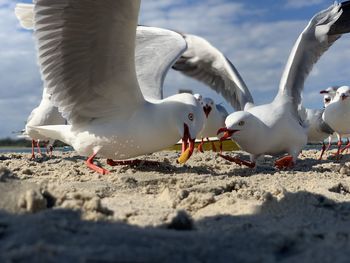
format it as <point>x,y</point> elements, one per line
<point>210,210</point>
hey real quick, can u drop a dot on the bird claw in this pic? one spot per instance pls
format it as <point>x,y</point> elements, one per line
<point>284,162</point>
<point>91,165</point>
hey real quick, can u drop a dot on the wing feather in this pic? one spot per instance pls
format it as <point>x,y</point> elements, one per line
<point>319,35</point>
<point>86,53</point>
<point>156,50</point>
<point>205,63</point>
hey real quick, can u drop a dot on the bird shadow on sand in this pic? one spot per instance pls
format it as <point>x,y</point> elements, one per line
<point>265,167</point>
<point>300,227</point>
<point>170,169</point>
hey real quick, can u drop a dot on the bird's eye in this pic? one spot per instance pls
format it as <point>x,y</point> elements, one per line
<point>241,123</point>
<point>191,116</point>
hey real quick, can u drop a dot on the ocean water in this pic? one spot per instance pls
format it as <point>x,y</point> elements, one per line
<point>29,149</point>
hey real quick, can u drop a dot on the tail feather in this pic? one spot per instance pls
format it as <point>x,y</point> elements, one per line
<point>25,15</point>
<point>57,132</point>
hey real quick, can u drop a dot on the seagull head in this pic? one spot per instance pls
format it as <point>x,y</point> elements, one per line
<point>326,99</point>
<point>342,93</point>
<point>237,124</point>
<point>329,94</point>
<point>189,122</point>
<point>208,106</point>
<point>198,97</point>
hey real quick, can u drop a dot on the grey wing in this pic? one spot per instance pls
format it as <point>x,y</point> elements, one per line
<point>86,53</point>
<point>320,33</point>
<point>318,129</point>
<point>156,50</point>
<point>207,64</point>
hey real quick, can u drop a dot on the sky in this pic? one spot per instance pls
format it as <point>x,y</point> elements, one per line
<point>255,35</point>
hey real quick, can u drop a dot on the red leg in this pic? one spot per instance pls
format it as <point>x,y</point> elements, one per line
<point>213,147</point>
<point>346,147</point>
<point>91,165</point>
<point>284,162</point>
<point>51,149</point>
<point>38,147</point>
<point>33,146</point>
<point>339,143</point>
<point>220,146</point>
<point>200,146</point>
<point>46,144</point>
<point>237,160</point>
<point>322,151</point>
<point>132,162</point>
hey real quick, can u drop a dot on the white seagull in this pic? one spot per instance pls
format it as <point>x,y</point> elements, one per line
<point>88,65</point>
<point>45,114</point>
<point>317,129</point>
<point>328,94</point>
<point>337,115</point>
<point>276,127</point>
<point>215,118</point>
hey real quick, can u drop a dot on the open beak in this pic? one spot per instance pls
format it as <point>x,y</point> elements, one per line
<point>207,110</point>
<point>187,146</point>
<point>324,92</point>
<point>344,96</point>
<point>227,133</point>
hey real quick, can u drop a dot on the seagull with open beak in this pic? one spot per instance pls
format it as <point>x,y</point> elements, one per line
<point>337,115</point>
<point>276,127</point>
<point>215,115</point>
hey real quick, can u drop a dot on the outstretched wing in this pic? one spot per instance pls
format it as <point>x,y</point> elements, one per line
<point>156,50</point>
<point>86,53</point>
<point>321,32</point>
<point>205,63</point>
<point>24,13</point>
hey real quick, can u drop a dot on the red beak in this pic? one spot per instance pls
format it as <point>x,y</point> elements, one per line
<point>186,151</point>
<point>324,92</point>
<point>207,110</point>
<point>227,133</point>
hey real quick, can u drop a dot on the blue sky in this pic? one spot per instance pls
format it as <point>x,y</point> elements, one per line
<point>256,36</point>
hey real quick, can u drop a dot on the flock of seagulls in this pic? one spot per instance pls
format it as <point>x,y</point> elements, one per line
<point>103,87</point>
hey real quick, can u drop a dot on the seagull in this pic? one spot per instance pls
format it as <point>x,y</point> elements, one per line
<point>318,130</point>
<point>276,127</point>
<point>215,118</point>
<point>337,115</point>
<point>45,114</point>
<point>328,94</point>
<point>88,65</point>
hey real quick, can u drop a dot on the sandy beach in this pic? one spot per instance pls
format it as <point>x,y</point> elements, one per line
<point>210,210</point>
